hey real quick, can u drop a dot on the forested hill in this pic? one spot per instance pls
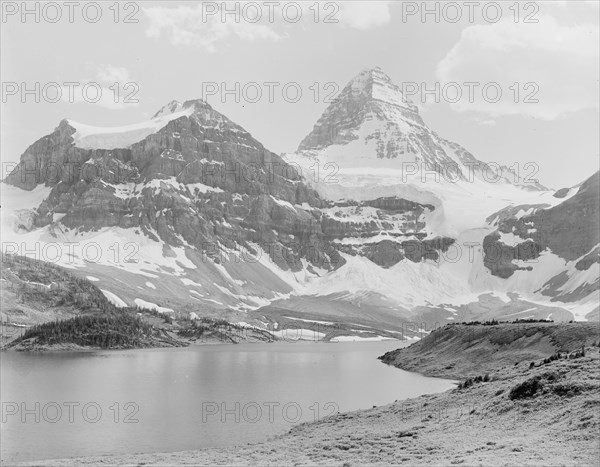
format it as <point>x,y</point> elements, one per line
<point>121,330</point>
<point>45,306</point>
<point>39,283</point>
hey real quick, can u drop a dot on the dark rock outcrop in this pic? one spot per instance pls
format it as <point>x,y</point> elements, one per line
<point>570,230</point>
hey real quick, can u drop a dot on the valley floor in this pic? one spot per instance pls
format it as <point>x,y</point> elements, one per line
<point>482,424</point>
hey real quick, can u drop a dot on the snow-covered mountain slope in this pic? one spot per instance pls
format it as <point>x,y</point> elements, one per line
<point>189,212</point>
<point>354,156</point>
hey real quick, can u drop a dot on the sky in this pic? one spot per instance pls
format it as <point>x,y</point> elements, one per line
<point>272,67</point>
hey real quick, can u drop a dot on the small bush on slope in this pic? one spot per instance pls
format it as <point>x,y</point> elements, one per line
<point>525,389</point>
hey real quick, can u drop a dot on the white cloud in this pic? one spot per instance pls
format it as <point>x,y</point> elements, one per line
<point>198,26</point>
<point>110,74</point>
<point>101,90</point>
<point>364,15</point>
<point>207,24</point>
<point>571,4</point>
<point>562,60</point>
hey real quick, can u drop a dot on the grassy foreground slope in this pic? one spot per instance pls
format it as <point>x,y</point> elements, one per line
<point>543,414</point>
<point>463,350</point>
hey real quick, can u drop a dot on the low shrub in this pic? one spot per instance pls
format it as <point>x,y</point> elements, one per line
<point>551,375</point>
<point>566,389</point>
<point>525,389</point>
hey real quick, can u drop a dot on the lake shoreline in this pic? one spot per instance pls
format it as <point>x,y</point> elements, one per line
<point>477,422</point>
<point>170,387</point>
<point>74,348</point>
<point>473,426</point>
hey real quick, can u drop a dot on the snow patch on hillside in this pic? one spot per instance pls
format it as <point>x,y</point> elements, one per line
<point>152,306</point>
<point>361,339</point>
<point>292,335</point>
<point>116,301</point>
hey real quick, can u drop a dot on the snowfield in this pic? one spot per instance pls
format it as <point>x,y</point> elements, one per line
<point>95,137</point>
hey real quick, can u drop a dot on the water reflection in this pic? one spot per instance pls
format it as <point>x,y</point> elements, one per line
<point>177,399</point>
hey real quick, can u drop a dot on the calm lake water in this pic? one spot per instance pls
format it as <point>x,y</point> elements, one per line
<point>159,400</point>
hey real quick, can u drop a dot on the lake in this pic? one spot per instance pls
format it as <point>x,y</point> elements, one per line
<point>161,400</point>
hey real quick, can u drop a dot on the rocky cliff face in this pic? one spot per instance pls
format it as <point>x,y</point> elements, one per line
<point>386,230</point>
<point>570,231</point>
<point>200,181</point>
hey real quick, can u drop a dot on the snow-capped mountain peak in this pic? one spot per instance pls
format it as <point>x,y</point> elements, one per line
<point>170,108</point>
<point>94,137</point>
<point>373,83</point>
<point>87,136</point>
<point>369,100</point>
<point>372,126</point>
